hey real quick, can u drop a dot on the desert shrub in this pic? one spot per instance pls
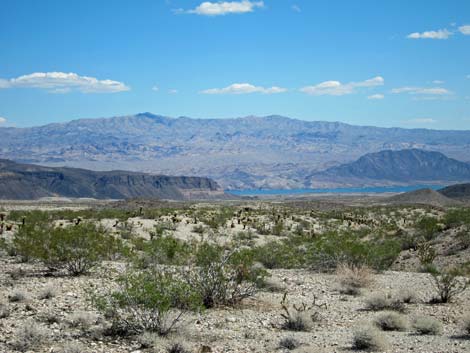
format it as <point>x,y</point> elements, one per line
<point>224,277</point>
<point>448,284</point>
<point>48,292</point>
<point>76,248</point>
<point>457,217</point>
<point>164,250</point>
<point>81,319</point>
<point>390,321</point>
<point>425,325</point>
<point>289,343</point>
<point>426,253</point>
<point>17,296</point>
<point>282,254</point>
<point>370,339</point>
<point>406,296</point>
<point>382,301</point>
<point>176,348</point>
<point>428,227</point>
<point>300,317</point>
<point>332,249</point>
<point>28,337</point>
<point>273,285</point>
<point>148,301</point>
<point>352,278</point>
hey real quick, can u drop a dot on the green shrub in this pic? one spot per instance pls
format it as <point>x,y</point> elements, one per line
<point>457,217</point>
<point>428,227</point>
<point>148,301</point>
<point>165,250</point>
<point>74,248</point>
<point>448,285</point>
<point>224,277</point>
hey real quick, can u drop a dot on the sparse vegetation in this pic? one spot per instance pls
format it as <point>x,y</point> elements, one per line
<point>289,343</point>
<point>425,325</point>
<point>390,321</point>
<point>28,337</point>
<point>352,278</point>
<point>448,284</point>
<point>369,339</point>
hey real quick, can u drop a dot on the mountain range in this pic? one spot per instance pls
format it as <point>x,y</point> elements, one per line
<point>27,182</point>
<point>241,153</point>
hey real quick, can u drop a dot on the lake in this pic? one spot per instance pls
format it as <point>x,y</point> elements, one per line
<point>359,190</point>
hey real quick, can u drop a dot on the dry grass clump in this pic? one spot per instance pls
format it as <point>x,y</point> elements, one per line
<point>298,321</point>
<point>289,343</point>
<point>273,285</point>
<point>407,296</point>
<point>391,321</point>
<point>17,296</point>
<point>425,325</point>
<point>370,339</point>
<point>81,319</point>
<point>177,348</point>
<point>382,301</point>
<point>48,292</point>
<point>352,278</point>
<point>29,337</point>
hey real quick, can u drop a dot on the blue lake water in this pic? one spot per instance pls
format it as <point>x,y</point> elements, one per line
<point>372,189</point>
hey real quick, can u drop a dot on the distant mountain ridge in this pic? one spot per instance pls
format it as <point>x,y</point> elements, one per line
<point>401,167</point>
<point>458,191</point>
<point>26,181</point>
<point>249,152</point>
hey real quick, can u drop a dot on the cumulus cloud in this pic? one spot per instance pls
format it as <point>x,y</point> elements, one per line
<point>376,96</point>
<point>439,34</point>
<point>220,8</point>
<point>465,30</point>
<point>439,91</point>
<point>296,8</point>
<point>336,88</point>
<point>172,91</point>
<point>2,120</point>
<point>244,88</point>
<point>61,82</point>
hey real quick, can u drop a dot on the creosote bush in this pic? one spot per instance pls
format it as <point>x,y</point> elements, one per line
<point>425,325</point>
<point>148,300</point>
<point>224,277</point>
<point>74,248</point>
<point>448,284</point>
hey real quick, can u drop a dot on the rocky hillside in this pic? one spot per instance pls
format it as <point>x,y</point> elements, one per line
<point>26,181</point>
<point>410,166</point>
<point>458,192</point>
<point>250,152</point>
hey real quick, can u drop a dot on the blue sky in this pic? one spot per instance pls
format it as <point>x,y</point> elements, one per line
<point>383,63</point>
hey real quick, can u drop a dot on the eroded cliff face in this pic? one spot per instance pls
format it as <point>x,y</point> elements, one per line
<point>25,181</point>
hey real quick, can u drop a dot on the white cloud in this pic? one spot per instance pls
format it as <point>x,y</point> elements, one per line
<point>438,82</point>
<point>61,82</point>
<point>296,8</point>
<point>468,76</point>
<point>376,96</point>
<point>172,91</point>
<point>439,34</point>
<point>155,88</point>
<point>422,121</point>
<point>2,120</point>
<point>220,8</point>
<point>465,30</point>
<point>244,88</point>
<point>439,91</point>
<point>336,88</point>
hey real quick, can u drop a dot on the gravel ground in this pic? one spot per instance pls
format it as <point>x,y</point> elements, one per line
<point>255,326</point>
